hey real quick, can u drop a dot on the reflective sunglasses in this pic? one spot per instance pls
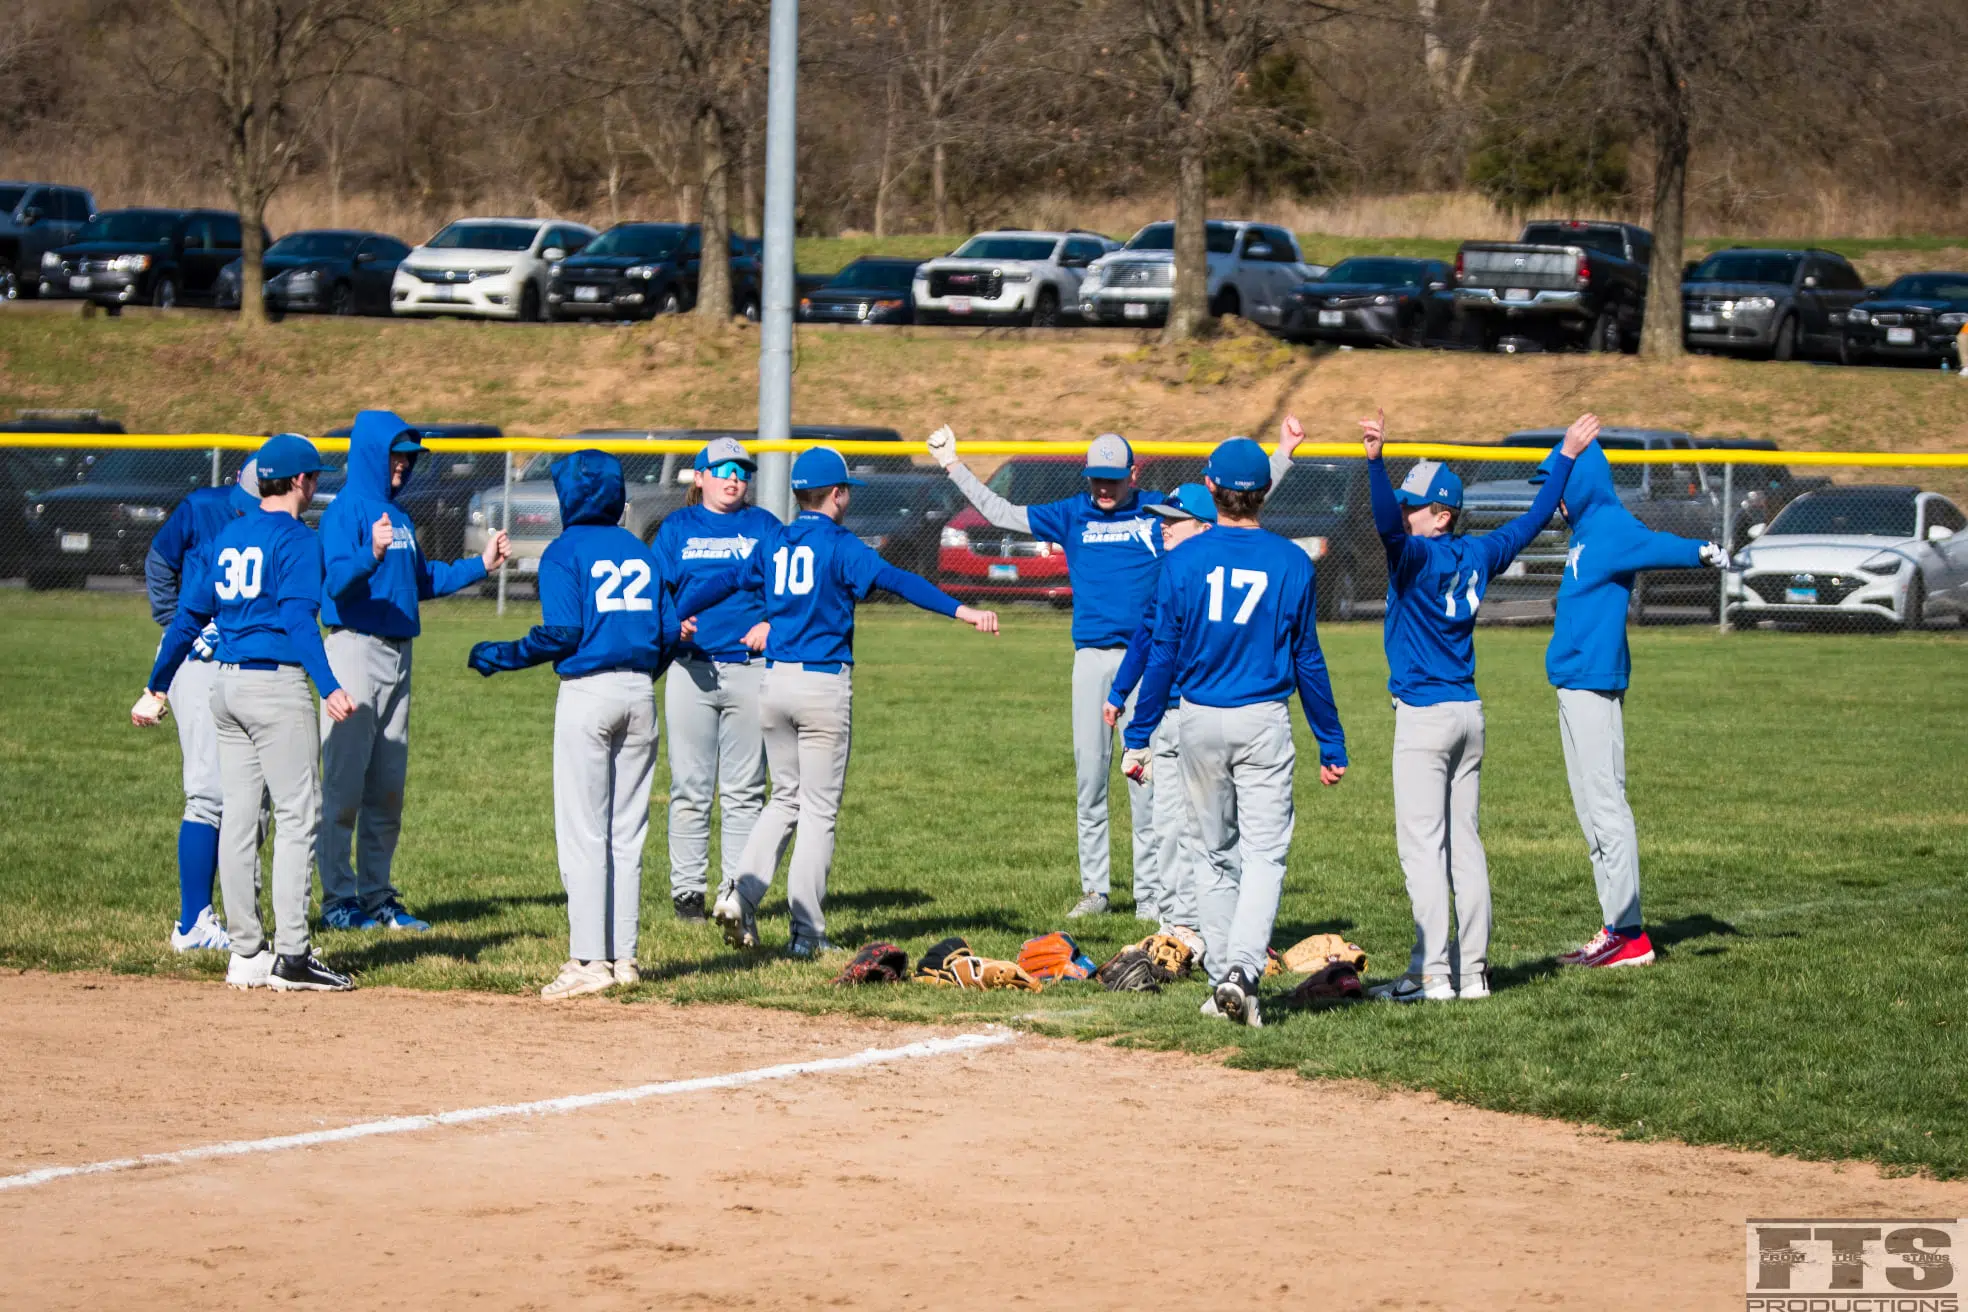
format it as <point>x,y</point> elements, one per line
<point>730,469</point>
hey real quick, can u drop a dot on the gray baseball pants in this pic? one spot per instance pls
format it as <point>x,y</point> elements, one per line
<point>264,720</point>
<point>604,761</point>
<point>1166,892</point>
<point>364,762</point>
<point>1438,762</point>
<point>807,719</point>
<point>1093,756</point>
<point>1237,769</point>
<point>198,741</point>
<point>711,713</point>
<point>1593,727</point>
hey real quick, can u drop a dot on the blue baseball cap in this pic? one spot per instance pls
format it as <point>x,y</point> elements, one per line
<point>1109,456</point>
<point>821,466</point>
<point>1545,466</point>
<point>721,449</point>
<point>287,455</point>
<point>1239,465</point>
<point>1190,501</point>
<point>407,442</point>
<point>1430,483</point>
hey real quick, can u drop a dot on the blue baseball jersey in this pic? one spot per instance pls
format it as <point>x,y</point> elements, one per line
<point>176,553</point>
<point>1111,560</point>
<point>264,589</point>
<point>811,573</point>
<point>603,580</point>
<point>695,542</point>
<point>1234,627</point>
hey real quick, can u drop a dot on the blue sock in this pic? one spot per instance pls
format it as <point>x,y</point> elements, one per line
<point>198,865</point>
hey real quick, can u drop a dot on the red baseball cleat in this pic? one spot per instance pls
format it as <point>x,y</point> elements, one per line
<point>1585,951</point>
<point>1634,949</point>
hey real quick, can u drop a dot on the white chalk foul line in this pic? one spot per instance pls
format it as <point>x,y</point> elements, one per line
<point>466,1116</point>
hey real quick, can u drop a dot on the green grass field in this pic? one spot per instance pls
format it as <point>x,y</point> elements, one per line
<point>1800,800</point>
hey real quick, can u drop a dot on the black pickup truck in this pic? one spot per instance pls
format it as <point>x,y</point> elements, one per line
<point>1563,282</point>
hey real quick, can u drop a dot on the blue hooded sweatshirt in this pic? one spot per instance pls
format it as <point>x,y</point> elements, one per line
<point>182,546</point>
<point>1608,547</point>
<point>365,594</point>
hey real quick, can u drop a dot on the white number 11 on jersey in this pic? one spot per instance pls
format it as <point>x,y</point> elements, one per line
<point>1251,582</point>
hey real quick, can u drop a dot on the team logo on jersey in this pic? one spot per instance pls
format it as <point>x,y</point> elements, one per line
<point>1572,559</point>
<point>719,548</point>
<point>1096,532</point>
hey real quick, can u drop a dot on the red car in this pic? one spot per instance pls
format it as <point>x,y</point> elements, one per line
<point>979,560</point>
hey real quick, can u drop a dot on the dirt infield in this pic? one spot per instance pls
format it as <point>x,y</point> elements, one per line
<point>1036,1171</point>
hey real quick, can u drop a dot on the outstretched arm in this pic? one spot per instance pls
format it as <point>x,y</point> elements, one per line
<point>1501,546</point>
<point>557,635</point>
<point>1000,512</point>
<point>440,578</point>
<point>919,591</point>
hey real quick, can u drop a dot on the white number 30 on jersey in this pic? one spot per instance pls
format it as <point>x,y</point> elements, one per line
<point>239,573</point>
<point>622,585</point>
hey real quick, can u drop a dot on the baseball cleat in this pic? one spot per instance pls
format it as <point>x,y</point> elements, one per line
<point>579,977</point>
<point>250,972</point>
<point>347,915</point>
<point>1209,1007</point>
<point>392,915</point>
<point>205,935</point>
<point>1237,1000</point>
<point>1592,947</point>
<point>1092,904</point>
<point>1474,988</point>
<point>1428,988</point>
<point>804,945</point>
<point>737,920</point>
<point>627,975</point>
<point>304,972</point>
<point>688,906</point>
<point>1634,949</point>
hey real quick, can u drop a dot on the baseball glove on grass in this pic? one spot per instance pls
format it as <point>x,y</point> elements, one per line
<point>878,963</point>
<point>1169,953</point>
<point>1054,956</point>
<point>1309,955</point>
<point>934,968</point>
<point>976,973</point>
<point>1337,982</point>
<point>1132,970</point>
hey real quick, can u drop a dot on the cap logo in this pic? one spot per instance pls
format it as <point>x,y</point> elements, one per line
<point>1421,478</point>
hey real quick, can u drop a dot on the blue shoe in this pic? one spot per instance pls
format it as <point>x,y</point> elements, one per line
<point>347,915</point>
<point>391,915</point>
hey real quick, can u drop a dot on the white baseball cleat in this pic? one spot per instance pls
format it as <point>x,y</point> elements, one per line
<point>1409,988</point>
<point>205,935</point>
<point>579,977</point>
<point>627,974</point>
<point>252,972</point>
<point>736,919</point>
<point>1475,988</point>
<point>1236,999</point>
<point>1209,1007</point>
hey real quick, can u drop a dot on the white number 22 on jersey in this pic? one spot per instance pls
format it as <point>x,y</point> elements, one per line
<point>239,573</point>
<point>613,575</point>
<point>792,571</point>
<point>1251,582</point>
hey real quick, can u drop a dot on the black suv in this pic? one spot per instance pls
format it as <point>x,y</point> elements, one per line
<point>26,472</point>
<point>640,270</point>
<point>149,257</point>
<point>104,524</point>
<point>873,289</point>
<point>1782,304</point>
<point>36,218</point>
<point>1390,300</point>
<point>1919,317</point>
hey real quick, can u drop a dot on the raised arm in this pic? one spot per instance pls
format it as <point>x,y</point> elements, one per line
<point>351,550</point>
<point>1500,546</point>
<point>943,445</point>
<point>1405,553</point>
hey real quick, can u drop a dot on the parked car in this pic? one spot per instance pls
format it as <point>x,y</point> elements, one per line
<point>1871,556</point>
<point>486,268</point>
<point>640,270</point>
<point>1253,269</point>
<point>440,489</point>
<point>104,524</point>
<point>148,257</point>
<point>1917,317</point>
<point>902,517</point>
<point>321,271</point>
<point>26,472</point>
<point>1009,276</point>
<point>1683,498</point>
<point>1760,490</point>
<point>1781,304</point>
<point>37,219</point>
<point>870,290</point>
<point>1380,299</point>
<point>1563,282</point>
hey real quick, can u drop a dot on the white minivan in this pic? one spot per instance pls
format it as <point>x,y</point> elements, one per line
<point>486,268</point>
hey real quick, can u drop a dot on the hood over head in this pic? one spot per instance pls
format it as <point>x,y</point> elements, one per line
<point>370,440</point>
<point>1589,492</point>
<point>589,485</point>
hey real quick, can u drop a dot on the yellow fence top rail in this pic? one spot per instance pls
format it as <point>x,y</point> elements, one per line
<point>1307,450</point>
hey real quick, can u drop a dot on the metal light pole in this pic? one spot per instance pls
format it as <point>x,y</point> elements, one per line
<point>775,413</point>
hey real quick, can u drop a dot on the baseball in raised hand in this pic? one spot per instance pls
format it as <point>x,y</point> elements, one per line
<point>381,534</point>
<point>984,621</point>
<point>1290,434</point>
<point>1373,433</point>
<point>943,446</point>
<point>497,552</point>
<point>339,705</point>
<point>1579,436</point>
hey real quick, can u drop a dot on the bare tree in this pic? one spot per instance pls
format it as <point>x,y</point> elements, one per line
<point>948,49</point>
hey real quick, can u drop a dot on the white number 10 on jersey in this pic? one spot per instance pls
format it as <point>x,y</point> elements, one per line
<point>792,571</point>
<point>622,585</point>
<point>1251,582</point>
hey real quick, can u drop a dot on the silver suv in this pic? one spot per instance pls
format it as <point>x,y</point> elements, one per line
<point>1009,276</point>
<point>37,219</point>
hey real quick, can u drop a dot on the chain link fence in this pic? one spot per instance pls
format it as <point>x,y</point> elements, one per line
<point>1818,540</point>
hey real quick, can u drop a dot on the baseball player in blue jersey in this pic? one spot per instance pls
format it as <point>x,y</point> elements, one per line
<point>376,576</point>
<point>1234,628</point>
<point>1589,664</point>
<point>812,572</point>
<point>175,564</point>
<point>609,625</point>
<point>711,697</point>
<point>1112,542</point>
<point>1436,581</point>
<point>1170,896</point>
<point>264,590</point>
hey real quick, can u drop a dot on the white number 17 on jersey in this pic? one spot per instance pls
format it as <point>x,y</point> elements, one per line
<point>1251,582</point>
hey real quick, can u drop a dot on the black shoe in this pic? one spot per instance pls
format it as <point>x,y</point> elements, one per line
<point>689,906</point>
<point>303,970</point>
<point>1236,998</point>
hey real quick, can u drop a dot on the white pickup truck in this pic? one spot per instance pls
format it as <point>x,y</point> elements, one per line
<point>1253,270</point>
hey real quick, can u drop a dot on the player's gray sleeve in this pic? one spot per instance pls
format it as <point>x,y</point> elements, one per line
<point>989,504</point>
<point>1280,462</point>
